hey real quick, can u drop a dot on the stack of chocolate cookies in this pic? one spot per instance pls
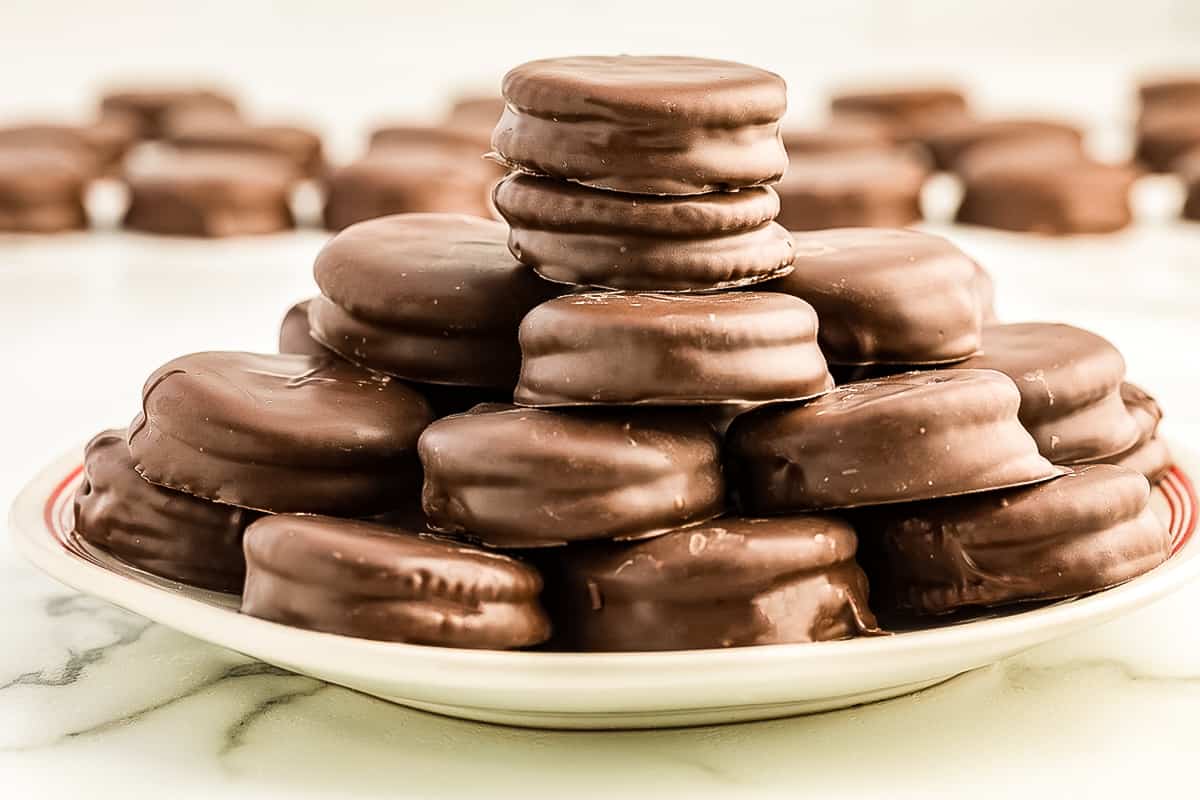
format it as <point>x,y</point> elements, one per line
<point>614,424</point>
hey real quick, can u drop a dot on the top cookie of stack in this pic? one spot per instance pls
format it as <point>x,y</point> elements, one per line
<point>645,173</point>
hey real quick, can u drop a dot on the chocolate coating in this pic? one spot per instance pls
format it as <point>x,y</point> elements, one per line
<point>150,106</point>
<point>1189,170</point>
<point>41,190</point>
<point>1070,384</point>
<point>888,296</point>
<point>429,297</point>
<point>522,477</point>
<point>1150,454</point>
<point>167,533</point>
<point>1082,532</point>
<point>838,135</point>
<point>867,188</point>
<point>574,234</point>
<point>401,180</point>
<point>908,111</point>
<point>1043,187</point>
<point>282,433</point>
<point>452,142</point>
<point>663,349</point>
<point>1166,134</point>
<point>949,142</point>
<point>644,124</point>
<point>913,436</point>
<point>203,130</point>
<point>100,145</point>
<point>294,335</point>
<point>376,582</point>
<point>209,194</point>
<point>1170,90</point>
<point>731,582</point>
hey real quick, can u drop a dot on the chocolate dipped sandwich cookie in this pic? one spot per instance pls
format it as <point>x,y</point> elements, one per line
<point>731,582</point>
<point>402,180</point>
<point>632,348</point>
<point>373,581</point>
<point>101,143</point>
<point>948,143</point>
<point>869,188</point>
<point>913,436</point>
<point>887,296</point>
<point>838,135</point>
<point>164,532</point>
<point>443,139</point>
<point>435,298</point>
<point>574,234</point>
<point>41,189</point>
<point>295,336</point>
<point>1169,91</point>
<point>200,129</point>
<point>280,433</point>
<point>209,194</point>
<point>644,124</point>
<point>1164,135</point>
<point>150,106</point>
<point>1149,454</point>
<point>1082,532</point>
<point>1070,382</point>
<point>909,111</point>
<point>525,477</point>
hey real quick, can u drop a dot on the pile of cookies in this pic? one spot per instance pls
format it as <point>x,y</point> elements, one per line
<point>642,416</point>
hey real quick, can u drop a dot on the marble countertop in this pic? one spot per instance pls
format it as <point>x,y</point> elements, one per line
<point>97,702</point>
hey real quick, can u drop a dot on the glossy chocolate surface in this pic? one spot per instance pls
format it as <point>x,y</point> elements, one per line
<point>870,188</point>
<point>167,533</point>
<point>378,582</point>
<point>41,189</point>
<point>1079,533</point>
<point>574,234</point>
<point>1070,384</point>
<point>727,583</point>
<point>209,194</point>
<point>281,433</point>
<point>670,349</point>
<point>523,477</point>
<point>951,141</point>
<point>294,335</point>
<point>644,124</point>
<point>1150,455</point>
<point>435,298</point>
<point>912,436</point>
<point>887,296</point>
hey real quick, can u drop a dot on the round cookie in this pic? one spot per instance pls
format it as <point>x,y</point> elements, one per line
<point>869,188</point>
<point>1082,532</point>
<point>731,582</point>
<point>1043,187</point>
<point>523,477</point>
<point>630,348</point>
<point>838,135</point>
<point>150,106</point>
<point>209,194</point>
<point>402,180</point>
<point>574,234</point>
<point>1166,134</point>
<point>644,124</point>
<point>1070,384</point>
<point>41,189</point>
<point>294,335</point>
<point>908,111</point>
<point>435,298</point>
<point>377,582</point>
<point>444,139</point>
<point>202,130</point>
<point>167,533</point>
<point>948,143</point>
<point>913,436</point>
<point>1149,455</point>
<point>888,296</point>
<point>281,433</point>
<point>1169,90</point>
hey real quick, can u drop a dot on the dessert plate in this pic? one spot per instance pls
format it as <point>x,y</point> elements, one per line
<point>600,690</point>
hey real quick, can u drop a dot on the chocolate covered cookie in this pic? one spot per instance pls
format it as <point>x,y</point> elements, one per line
<point>908,111</point>
<point>731,582</point>
<point>209,194</point>
<point>524,477</point>
<point>574,234</point>
<point>445,140</point>
<point>1070,384</point>
<point>913,436</point>
<point>888,296</point>
<point>1166,134</point>
<point>1149,454</point>
<point>102,143</point>
<point>167,533</point>
<point>644,124</point>
<point>281,433</point>
<point>838,135</point>
<point>41,190</point>
<point>203,130</point>
<point>1079,533</point>
<point>662,349</point>
<point>149,106</point>
<point>294,334</point>
<point>949,142</point>
<point>868,188</point>
<point>435,298</point>
<point>1189,170</point>
<point>1169,91</point>
<point>377,582</point>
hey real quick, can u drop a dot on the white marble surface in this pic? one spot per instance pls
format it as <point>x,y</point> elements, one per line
<point>95,702</point>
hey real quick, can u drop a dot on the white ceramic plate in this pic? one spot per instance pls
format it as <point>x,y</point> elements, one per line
<point>576,690</point>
